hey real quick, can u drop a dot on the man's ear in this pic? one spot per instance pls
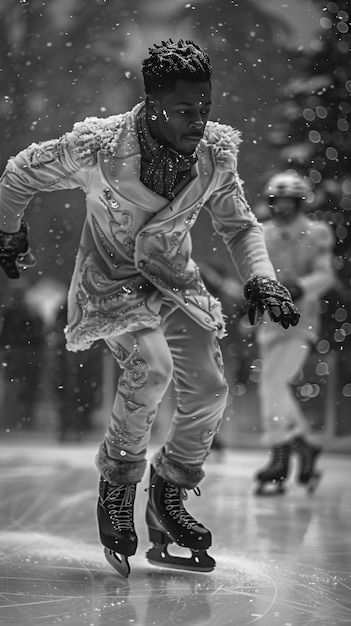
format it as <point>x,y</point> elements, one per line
<point>152,105</point>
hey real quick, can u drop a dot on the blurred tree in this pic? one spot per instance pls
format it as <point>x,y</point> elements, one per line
<point>312,135</point>
<point>61,60</point>
<point>312,131</point>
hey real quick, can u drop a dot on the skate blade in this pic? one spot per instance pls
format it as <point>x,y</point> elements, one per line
<point>118,561</point>
<point>199,561</point>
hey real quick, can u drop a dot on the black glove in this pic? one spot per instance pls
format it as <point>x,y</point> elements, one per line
<point>296,291</point>
<point>14,251</point>
<point>265,294</point>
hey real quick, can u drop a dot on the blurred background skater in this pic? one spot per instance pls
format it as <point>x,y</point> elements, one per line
<point>301,253</point>
<point>22,346</point>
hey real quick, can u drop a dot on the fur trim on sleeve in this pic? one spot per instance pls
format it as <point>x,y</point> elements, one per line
<point>223,139</point>
<point>94,134</point>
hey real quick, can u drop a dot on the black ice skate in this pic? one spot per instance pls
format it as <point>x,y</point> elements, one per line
<point>168,521</point>
<point>271,479</point>
<point>116,527</point>
<point>307,454</point>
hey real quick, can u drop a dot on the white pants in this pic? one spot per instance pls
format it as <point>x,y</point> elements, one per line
<point>282,418</point>
<point>178,349</point>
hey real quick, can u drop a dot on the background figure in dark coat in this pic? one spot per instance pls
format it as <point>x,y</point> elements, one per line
<point>22,344</point>
<point>76,383</point>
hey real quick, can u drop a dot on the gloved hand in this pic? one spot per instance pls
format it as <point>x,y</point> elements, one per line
<point>14,251</point>
<point>296,291</point>
<point>266,294</point>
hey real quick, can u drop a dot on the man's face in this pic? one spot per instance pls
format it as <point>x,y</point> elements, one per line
<point>284,210</point>
<point>183,114</point>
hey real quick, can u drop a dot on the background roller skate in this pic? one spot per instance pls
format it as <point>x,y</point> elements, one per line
<point>307,454</point>
<point>271,479</point>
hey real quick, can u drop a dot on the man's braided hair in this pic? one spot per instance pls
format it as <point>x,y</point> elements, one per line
<point>172,61</point>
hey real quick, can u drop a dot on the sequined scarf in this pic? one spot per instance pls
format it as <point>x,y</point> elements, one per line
<point>164,163</point>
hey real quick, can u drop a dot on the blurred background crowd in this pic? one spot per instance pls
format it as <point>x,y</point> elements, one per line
<point>281,77</point>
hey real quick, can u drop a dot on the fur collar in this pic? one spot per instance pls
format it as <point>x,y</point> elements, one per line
<point>222,138</point>
<point>116,135</point>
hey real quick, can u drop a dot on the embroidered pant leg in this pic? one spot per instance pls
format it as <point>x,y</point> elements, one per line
<point>282,418</point>
<point>147,367</point>
<point>201,390</point>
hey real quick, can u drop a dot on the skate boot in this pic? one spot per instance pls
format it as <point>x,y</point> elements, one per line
<point>275,473</point>
<point>168,521</point>
<point>307,454</point>
<point>116,527</point>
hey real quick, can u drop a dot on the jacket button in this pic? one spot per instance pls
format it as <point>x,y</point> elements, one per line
<point>141,263</point>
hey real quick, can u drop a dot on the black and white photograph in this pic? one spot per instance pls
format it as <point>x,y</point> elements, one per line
<point>175,313</point>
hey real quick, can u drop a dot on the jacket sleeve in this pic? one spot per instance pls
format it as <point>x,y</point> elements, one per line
<point>234,220</point>
<point>47,166</point>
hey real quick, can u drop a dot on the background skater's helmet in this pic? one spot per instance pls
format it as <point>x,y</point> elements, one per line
<point>287,184</point>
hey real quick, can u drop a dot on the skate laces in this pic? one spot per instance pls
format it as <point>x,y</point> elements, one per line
<point>173,502</point>
<point>120,501</point>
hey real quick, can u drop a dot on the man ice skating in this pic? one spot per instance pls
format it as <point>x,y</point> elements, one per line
<point>146,174</point>
<point>301,253</point>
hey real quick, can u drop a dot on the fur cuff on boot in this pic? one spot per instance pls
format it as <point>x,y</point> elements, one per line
<point>176,474</point>
<point>118,472</point>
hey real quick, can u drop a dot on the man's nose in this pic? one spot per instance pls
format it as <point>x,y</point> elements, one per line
<point>197,124</point>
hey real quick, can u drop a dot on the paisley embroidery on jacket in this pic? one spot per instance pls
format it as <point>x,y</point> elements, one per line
<point>97,283</point>
<point>94,323</point>
<point>119,229</point>
<point>100,309</point>
<point>166,276</point>
<point>122,223</point>
<point>112,299</point>
<point>106,307</point>
<point>125,249</point>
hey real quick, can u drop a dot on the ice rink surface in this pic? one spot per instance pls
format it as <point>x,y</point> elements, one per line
<point>281,561</point>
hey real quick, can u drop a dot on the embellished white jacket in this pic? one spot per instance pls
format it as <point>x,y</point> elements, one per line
<point>135,247</point>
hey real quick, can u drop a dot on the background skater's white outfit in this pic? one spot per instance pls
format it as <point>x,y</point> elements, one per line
<point>300,252</point>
